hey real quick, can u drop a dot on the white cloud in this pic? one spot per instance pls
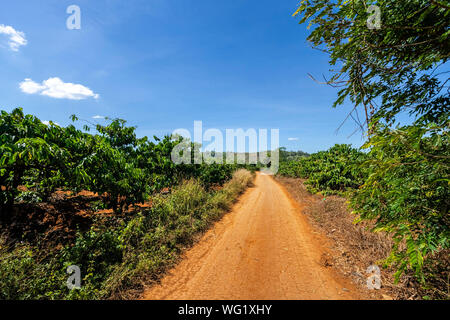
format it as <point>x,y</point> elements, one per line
<point>16,38</point>
<point>56,88</point>
<point>293,139</point>
<point>98,117</point>
<point>47,123</point>
<point>31,87</point>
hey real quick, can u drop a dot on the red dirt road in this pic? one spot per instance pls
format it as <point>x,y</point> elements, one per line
<point>263,249</point>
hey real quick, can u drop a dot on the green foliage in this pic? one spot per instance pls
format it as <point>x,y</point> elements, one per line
<point>407,192</point>
<point>328,172</point>
<point>398,68</point>
<point>28,275</point>
<point>25,276</point>
<point>152,240</point>
<point>114,163</point>
<point>215,174</point>
<point>95,252</point>
<point>395,67</point>
<point>123,170</point>
<point>113,260</point>
<point>15,268</point>
<point>286,156</point>
<point>22,149</point>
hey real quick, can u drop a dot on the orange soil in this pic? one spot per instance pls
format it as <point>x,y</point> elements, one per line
<point>263,249</point>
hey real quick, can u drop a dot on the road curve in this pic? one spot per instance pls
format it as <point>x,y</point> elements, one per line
<point>263,249</point>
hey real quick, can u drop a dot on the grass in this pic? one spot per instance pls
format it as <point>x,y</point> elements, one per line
<point>154,240</point>
<point>355,247</point>
<point>118,259</point>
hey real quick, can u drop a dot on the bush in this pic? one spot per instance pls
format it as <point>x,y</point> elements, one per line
<point>401,184</point>
<point>37,159</point>
<point>114,163</point>
<point>25,276</point>
<point>407,192</point>
<point>329,172</point>
<point>95,252</point>
<point>215,174</point>
<point>153,240</point>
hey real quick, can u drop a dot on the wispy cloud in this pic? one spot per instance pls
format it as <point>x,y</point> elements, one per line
<point>98,117</point>
<point>56,88</point>
<point>16,38</point>
<point>293,139</point>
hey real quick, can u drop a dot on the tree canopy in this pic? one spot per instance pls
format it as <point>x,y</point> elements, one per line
<point>391,57</point>
<point>397,67</point>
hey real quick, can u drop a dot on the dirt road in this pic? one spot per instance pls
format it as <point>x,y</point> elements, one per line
<point>263,249</point>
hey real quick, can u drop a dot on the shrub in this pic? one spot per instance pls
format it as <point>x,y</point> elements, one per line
<point>25,276</point>
<point>95,252</point>
<point>407,192</point>
<point>153,239</point>
<point>333,171</point>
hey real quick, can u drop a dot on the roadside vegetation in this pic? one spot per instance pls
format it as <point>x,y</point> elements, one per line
<point>110,203</point>
<point>400,179</point>
<point>331,172</point>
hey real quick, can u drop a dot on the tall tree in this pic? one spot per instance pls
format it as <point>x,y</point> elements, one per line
<point>390,56</point>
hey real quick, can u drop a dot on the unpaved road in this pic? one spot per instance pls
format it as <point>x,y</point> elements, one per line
<point>263,249</point>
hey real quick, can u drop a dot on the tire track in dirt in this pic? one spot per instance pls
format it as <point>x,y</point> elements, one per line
<point>263,249</point>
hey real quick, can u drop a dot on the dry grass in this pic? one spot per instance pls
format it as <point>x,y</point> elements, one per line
<point>183,215</point>
<point>354,247</point>
<point>240,181</point>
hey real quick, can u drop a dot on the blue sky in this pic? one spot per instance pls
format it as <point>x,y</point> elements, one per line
<point>161,64</point>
